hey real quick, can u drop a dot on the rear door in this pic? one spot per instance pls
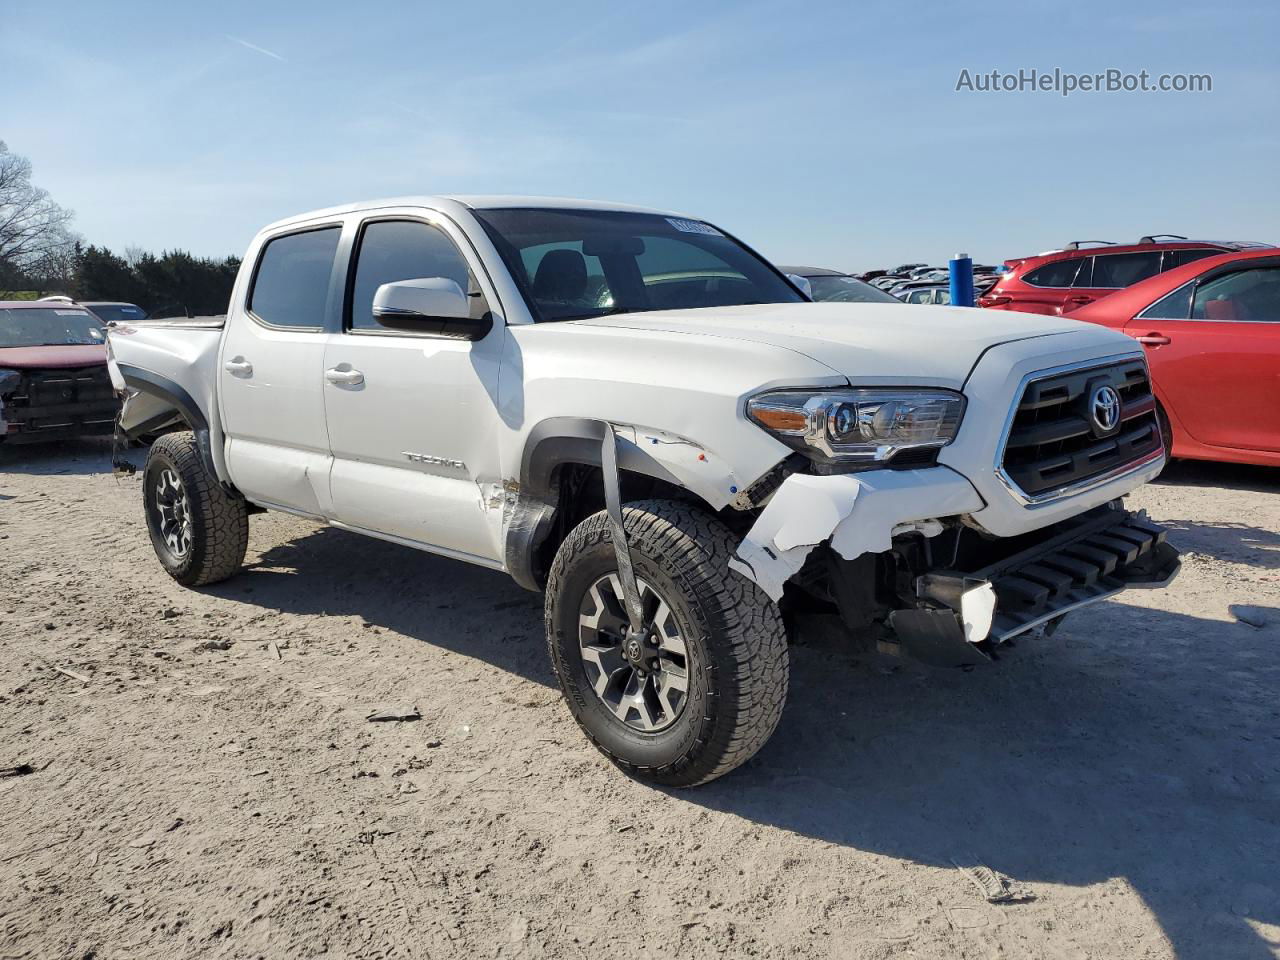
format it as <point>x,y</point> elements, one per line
<point>1108,272</point>
<point>1214,351</point>
<point>269,376</point>
<point>412,417</point>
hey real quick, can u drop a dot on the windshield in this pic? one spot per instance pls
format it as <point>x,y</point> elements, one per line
<point>574,264</point>
<point>848,290</point>
<point>49,326</point>
<point>117,312</point>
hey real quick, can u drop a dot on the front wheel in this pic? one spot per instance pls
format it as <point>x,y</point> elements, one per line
<point>198,529</point>
<point>1166,433</point>
<point>702,690</point>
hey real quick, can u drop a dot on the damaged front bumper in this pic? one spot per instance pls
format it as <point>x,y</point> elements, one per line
<point>960,615</point>
<point>881,534</point>
<point>39,404</point>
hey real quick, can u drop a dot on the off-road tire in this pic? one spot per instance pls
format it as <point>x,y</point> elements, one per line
<point>219,520</point>
<point>738,665</point>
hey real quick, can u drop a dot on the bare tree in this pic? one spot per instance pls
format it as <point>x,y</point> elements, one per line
<point>33,229</point>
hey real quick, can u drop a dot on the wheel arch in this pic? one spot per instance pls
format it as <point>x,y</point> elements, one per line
<point>172,404</point>
<point>556,489</point>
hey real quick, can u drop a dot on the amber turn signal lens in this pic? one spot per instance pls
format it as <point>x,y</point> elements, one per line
<point>775,418</point>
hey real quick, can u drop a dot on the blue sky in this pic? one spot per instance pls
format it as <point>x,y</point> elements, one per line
<point>829,133</point>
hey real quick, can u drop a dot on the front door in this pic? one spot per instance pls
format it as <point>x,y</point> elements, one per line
<point>1217,364</point>
<point>269,384</point>
<point>413,418</point>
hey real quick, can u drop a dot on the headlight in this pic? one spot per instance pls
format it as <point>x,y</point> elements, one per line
<point>858,426</point>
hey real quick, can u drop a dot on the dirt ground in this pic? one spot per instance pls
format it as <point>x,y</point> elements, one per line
<point>205,782</point>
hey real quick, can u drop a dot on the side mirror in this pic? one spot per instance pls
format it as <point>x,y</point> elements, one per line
<point>803,283</point>
<point>430,305</point>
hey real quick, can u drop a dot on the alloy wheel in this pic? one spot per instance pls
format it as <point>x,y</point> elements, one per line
<point>642,679</point>
<point>174,510</point>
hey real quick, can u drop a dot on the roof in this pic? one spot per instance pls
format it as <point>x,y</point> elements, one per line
<point>1068,253</point>
<point>470,202</point>
<point>814,272</point>
<point>44,304</point>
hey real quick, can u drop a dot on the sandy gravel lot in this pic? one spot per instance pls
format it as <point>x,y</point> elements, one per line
<point>213,788</point>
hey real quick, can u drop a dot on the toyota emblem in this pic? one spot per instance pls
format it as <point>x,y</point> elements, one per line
<point>1105,407</point>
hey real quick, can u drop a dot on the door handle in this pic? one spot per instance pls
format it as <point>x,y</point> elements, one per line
<point>239,368</point>
<point>1080,300</point>
<point>995,300</point>
<point>348,378</point>
<point>1153,339</point>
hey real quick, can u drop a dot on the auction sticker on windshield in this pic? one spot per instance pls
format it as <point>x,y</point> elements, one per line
<point>694,226</point>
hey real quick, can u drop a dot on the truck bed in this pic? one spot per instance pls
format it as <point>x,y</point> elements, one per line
<point>166,370</point>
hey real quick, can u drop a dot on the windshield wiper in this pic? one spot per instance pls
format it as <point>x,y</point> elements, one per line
<point>592,316</point>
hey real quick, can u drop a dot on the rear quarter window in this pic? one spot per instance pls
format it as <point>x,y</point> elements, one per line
<point>1059,273</point>
<point>291,285</point>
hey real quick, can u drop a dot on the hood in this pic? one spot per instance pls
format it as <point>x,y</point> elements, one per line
<point>54,357</point>
<point>871,343</point>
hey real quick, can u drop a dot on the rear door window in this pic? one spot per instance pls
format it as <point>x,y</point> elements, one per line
<point>1059,273</point>
<point>1116,270</point>
<point>1172,306</point>
<point>291,286</point>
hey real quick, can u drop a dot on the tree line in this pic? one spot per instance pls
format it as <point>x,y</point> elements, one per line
<point>41,256</point>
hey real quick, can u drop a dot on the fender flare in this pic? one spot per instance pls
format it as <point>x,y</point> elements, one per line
<point>145,381</point>
<point>531,512</point>
<point>560,440</point>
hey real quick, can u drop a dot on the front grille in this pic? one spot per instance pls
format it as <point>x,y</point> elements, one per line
<point>1055,440</point>
<point>61,400</point>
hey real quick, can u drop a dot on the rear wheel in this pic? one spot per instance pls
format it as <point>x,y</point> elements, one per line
<point>702,689</point>
<point>198,529</point>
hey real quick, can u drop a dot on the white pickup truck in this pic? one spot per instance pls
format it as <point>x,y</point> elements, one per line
<point>633,411</point>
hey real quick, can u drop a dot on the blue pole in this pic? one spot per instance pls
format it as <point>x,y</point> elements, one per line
<point>961,267</point>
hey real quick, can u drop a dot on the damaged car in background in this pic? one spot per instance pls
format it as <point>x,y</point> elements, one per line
<point>53,372</point>
<point>634,413</point>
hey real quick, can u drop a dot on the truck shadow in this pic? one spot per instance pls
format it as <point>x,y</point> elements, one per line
<point>1135,744</point>
<point>1228,541</point>
<point>1233,476</point>
<point>77,456</point>
<point>333,572</point>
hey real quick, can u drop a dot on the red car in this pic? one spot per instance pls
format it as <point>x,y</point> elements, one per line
<point>1064,280</point>
<point>53,371</point>
<point>1211,330</point>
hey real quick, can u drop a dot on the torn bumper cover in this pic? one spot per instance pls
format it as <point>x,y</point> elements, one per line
<point>859,513</point>
<point>952,617</point>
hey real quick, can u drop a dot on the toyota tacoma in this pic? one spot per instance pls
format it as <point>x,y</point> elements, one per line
<point>636,414</point>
